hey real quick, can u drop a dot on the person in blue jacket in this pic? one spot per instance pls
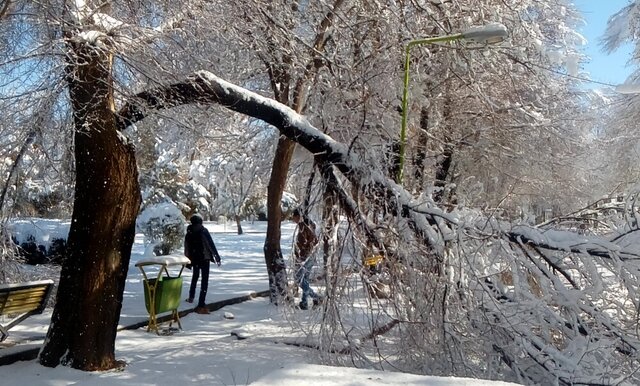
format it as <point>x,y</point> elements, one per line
<point>200,249</point>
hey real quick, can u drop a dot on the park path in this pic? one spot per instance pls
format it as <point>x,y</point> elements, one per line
<point>241,277</point>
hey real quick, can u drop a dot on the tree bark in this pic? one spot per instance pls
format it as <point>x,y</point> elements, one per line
<point>107,199</point>
<point>331,220</point>
<point>274,259</point>
<point>282,160</point>
<point>421,150</point>
<point>443,166</point>
<point>4,8</point>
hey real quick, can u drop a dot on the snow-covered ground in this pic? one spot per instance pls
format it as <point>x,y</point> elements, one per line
<point>205,352</point>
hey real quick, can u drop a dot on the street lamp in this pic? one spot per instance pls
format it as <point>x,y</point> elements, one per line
<point>487,34</point>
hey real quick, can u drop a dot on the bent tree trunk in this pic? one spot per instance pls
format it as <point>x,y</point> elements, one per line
<point>107,199</point>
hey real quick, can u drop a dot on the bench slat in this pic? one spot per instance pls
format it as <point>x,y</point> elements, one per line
<point>40,292</point>
<point>26,290</point>
<point>24,299</point>
<point>21,308</point>
<point>22,302</point>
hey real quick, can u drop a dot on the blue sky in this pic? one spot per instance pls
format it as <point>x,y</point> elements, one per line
<point>602,67</point>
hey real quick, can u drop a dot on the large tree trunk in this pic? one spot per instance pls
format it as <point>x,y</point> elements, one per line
<point>331,223</point>
<point>443,168</point>
<point>107,199</point>
<point>280,79</point>
<point>272,252</point>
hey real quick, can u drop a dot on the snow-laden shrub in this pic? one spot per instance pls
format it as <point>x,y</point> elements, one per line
<point>40,240</point>
<point>256,207</point>
<point>48,199</point>
<point>164,178</point>
<point>9,257</point>
<point>194,198</point>
<point>288,202</point>
<point>163,228</point>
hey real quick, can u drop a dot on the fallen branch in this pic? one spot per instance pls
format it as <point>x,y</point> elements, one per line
<point>381,330</point>
<point>206,88</point>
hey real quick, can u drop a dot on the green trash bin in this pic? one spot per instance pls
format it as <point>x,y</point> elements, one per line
<point>168,293</point>
<point>162,294</point>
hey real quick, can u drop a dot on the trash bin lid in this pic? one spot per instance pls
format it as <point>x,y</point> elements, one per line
<point>163,260</point>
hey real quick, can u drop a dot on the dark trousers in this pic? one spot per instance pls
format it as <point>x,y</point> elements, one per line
<point>204,284</point>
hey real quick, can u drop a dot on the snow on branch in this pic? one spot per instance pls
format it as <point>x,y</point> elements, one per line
<point>96,27</point>
<point>427,220</point>
<point>620,28</point>
<point>206,88</point>
<point>569,242</point>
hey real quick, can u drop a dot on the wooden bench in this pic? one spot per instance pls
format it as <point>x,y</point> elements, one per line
<point>22,300</point>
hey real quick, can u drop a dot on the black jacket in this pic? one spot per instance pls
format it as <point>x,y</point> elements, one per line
<point>199,246</point>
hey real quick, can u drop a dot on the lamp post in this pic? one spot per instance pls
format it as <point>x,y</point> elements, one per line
<point>488,34</point>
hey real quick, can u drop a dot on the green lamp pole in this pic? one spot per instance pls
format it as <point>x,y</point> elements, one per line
<point>488,34</point>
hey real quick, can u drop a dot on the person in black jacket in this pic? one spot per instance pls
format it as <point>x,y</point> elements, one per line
<point>200,249</point>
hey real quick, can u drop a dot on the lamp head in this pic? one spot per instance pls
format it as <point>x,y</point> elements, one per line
<point>490,33</point>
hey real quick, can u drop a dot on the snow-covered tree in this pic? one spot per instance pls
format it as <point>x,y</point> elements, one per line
<point>79,58</point>
<point>619,129</point>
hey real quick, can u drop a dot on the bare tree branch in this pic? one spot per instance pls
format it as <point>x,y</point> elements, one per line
<point>16,163</point>
<point>587,248</point>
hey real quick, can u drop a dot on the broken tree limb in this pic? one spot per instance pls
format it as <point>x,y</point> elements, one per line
<point>206,88</point>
